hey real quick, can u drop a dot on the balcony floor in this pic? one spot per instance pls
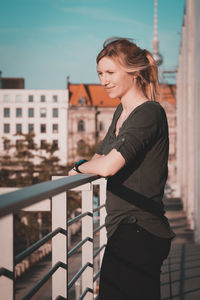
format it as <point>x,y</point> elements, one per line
<point>182,268</point>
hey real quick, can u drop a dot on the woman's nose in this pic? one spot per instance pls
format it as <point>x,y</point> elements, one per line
<point>104,80</point>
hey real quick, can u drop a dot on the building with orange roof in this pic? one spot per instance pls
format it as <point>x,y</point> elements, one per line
<point>90,114</point>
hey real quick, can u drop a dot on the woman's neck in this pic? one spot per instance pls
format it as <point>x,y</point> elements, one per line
<point>132,99</point>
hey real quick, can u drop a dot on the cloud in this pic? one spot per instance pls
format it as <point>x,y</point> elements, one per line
<point>101,14</point>
<point>60,29</point>
<point>10,30</point>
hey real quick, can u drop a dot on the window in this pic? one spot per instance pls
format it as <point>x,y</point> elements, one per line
<point>82,148</point>
<point>18,112</point>
<point>101,126</point>
<point>42,98</point>
<point>81,125</point>
<point>18,128</point>
<point>82,101</point>
<point>42,128</point>
<point>30,128</point>
<point>172,146</point>
<point>6,128</point>
<point>6,144</point>
<point>43,112</point>
<point>31,112</point>
<point>43,144</point>
<point>19,144</point>
<point>55,128</point>
<point>55,113</point>
<point>55,144</point>
<point>18,98</point>
<point>6,98</point>
<point>30,98</point>
<point>6,112</point>
<point>55,98</point>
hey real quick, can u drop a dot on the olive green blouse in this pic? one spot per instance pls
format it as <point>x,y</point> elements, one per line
<point>137,189</point>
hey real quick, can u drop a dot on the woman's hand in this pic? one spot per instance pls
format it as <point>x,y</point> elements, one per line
<point>72,172</point>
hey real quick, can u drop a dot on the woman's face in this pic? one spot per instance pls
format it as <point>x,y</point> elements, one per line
<point>115,80</point>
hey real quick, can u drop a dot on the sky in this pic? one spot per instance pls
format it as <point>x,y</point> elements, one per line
<point>44,41</point>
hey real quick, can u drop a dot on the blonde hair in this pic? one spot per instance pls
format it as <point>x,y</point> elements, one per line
<point>135,61</point>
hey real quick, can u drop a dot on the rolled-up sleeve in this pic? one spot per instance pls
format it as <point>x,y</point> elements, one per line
<point>100,146</point>
<point>103,144</point>
<point>139,131</point>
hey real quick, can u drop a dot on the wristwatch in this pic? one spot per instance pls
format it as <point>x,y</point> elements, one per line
<point>78,163</point>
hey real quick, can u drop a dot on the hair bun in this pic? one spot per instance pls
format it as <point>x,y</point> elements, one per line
<point>113,39</point>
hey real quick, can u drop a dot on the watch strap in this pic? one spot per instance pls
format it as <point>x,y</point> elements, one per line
<point>79,163</point>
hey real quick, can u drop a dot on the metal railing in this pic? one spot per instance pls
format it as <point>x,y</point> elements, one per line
<point>33,199</point>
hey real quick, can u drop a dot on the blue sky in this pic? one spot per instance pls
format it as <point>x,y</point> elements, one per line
<point>44,41</point>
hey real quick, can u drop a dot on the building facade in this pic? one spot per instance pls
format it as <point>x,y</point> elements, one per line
<point>188,111</point>
<point>90,114</point>
<point>42,112</point>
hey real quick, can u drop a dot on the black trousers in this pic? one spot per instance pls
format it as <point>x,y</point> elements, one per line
<point>131,265</point>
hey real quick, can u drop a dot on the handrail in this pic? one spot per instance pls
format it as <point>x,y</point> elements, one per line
<point>75,219</point>
<point>99,250</point>
<point>44,279</point>
<point>98,208</point>
<point>98,228</point>
<point>85,292</point>
<point>81,243</point>
<point>96,276</point>
<point>78,274</point>
<point>38,244</point>
<point>56,191</point>
<point>13,201</point>
<point>7,273</point>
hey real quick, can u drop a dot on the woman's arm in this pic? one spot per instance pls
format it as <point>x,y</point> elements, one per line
<point>95,156</point>
<point>103,165</point>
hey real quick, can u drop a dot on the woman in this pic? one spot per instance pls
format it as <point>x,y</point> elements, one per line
<point>133,155</point>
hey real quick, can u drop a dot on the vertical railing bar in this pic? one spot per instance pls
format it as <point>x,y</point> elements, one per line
<point>87,231</point>
<point>59,243</point>
<point>7,261</point>
<point>67,245</point>
<point>102,213</point>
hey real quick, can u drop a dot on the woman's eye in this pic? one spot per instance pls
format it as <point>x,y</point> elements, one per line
<point>110,72</point>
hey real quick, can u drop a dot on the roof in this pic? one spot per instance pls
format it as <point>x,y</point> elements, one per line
<point>167,93</point>
<point>95,95</point>
<point>11,83</point>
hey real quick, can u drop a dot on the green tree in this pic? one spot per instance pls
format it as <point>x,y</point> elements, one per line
<point>84,149</point>
<point>49,163</point>
<point>17,165</point>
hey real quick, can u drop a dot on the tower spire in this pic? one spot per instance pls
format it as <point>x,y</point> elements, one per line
<point>156,55</point>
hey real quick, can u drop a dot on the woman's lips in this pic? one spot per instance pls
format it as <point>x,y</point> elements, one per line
<point>109,88</point>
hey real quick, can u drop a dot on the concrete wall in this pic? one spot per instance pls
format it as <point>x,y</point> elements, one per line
<point>188,104</point>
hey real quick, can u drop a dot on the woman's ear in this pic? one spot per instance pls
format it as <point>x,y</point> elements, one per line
<point>136,75</point>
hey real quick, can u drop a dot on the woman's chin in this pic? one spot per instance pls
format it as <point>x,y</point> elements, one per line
<point>113,95</point>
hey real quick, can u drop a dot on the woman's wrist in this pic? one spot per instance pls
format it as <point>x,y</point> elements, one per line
<point>78,164</point>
